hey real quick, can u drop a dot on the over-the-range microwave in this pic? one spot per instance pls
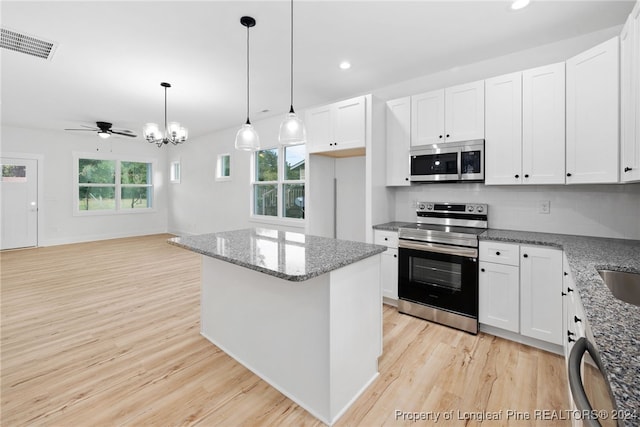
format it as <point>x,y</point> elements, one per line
<point>448,162</point>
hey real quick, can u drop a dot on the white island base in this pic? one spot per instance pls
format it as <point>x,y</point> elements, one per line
<point>317,341</point>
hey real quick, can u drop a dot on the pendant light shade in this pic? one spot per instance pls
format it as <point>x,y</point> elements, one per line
<point>247,138</point>
<point>292,130</point>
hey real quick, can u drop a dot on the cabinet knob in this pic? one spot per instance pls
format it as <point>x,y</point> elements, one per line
<point>406,179</point>
<point>525,256</point>
<point>386,238</point>
<point>440,136</point>
<point>569,174</point>
<point>570,339</point>
<point>566,274</point>
<point>569,290</point>
<point>576,319</point>
<point>331,144</point>
<point>570,334</point>
<point>482,269</point>
<point>335,143</point>
<point>526,175</point>
<point>448,135</point>
<point>395,256</point>
<point>627,169</point>
<point>498,253</point>
<point>517,176</point>
<point>563,294</point>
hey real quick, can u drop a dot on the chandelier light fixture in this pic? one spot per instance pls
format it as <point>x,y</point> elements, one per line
<point>292,130</point>
<point>173,132</point>
<point>247,138</point>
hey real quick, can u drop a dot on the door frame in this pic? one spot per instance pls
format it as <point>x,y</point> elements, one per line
<point>40,184</point>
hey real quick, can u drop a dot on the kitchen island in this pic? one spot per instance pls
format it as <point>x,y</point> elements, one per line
<point>302,312</point>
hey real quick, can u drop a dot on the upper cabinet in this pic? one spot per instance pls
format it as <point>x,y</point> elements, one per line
<point>337,129</point>
<point>630,98</point>
<point>503,129</point>
<point>525,114</point>
<point>398,141</point>
<point>593,115</point>
<point>543,119</point>
<point>448,115</point>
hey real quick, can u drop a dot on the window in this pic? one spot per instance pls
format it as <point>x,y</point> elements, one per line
<point>14,173</point>
<point>174,172</point>
<point>279,182</point>
<point>223,167</point>
<point>113,185</point>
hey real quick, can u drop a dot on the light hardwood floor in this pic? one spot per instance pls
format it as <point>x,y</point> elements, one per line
<point>107,333</point>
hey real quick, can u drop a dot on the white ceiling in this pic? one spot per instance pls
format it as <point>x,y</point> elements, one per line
<point>112,56</point>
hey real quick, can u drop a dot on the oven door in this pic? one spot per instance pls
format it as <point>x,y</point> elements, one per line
<point>440,276</point>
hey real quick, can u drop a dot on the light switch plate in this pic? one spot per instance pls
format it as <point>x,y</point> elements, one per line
<point>544,206</point>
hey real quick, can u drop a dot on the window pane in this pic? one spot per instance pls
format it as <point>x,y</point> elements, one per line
<point>14,173</point>
<point>135,198</point>
<point>135,173</point>
<point>267,165</point>
<point>265,200</point>
<point>175,172</point>
<point>293,201</point>
<point>91,171</point>
<point>294,162</point>
<point>226,165</point>
<point>96,198</point>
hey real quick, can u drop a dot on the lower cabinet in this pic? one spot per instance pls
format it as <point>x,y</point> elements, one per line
<point>389,264</point>
<point>520,290</point>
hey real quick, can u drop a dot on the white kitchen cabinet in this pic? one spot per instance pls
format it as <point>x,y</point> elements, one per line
<point>630,98</point>
<point>503,129</point>
<point>593,115</point>
<point>499,296</point>
<point>398,141</point>
<point>337,129</point>
<point>448,115</point>
<point>543,125</point>
<point>427,118</point>
<point>573,319</point>
<point>389,263</point>
<point>541,293</point>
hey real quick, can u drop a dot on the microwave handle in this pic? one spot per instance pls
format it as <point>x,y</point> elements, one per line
<point>575,379</point>
<point>459,156</point>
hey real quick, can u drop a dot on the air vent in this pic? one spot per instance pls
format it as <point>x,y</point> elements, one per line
<point>24,43</point>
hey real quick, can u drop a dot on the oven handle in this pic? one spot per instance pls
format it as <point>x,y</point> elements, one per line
<point>575,379</point>
<point>442,249</point>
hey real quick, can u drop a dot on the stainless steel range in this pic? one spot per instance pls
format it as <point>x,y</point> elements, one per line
<point>438,263</point>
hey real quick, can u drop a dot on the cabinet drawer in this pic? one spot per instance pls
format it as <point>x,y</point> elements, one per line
<point>500,253</point>
<point>386,238</point>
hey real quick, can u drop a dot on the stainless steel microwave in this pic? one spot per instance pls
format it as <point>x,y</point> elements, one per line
<point>448,162</point>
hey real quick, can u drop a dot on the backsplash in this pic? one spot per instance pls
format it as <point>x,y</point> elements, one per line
<point>589,210</point>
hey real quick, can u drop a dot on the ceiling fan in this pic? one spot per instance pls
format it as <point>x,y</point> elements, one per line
<point>104,130</point>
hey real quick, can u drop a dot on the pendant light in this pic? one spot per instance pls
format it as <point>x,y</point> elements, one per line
<point>247,137</point>
<point>292,130</point>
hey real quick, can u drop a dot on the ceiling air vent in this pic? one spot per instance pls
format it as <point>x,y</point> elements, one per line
<point>24,43</point>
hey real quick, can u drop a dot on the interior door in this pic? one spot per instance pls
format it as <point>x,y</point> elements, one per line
<point>19,207</point>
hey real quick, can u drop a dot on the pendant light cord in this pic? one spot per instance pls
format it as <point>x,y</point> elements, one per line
<point>166,129</point>
<point>291,56</point>
<point>248,122</point>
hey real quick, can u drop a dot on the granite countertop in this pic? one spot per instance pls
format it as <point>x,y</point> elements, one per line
<point>391,226</point>
<point>615,324</point>
<point>287,255</point>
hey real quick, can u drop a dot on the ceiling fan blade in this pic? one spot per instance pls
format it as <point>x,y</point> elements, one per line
<point>91,130</point>
<point>123,133</point>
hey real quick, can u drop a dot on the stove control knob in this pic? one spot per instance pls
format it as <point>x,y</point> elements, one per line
<point>470,208</point>
<point>479,209</point>
<point>421,206</point>
<point>429,207</point>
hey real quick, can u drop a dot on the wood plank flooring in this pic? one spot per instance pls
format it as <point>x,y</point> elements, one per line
<point>107,333</point>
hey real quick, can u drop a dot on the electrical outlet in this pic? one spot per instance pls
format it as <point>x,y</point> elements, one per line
<point>544,206</point>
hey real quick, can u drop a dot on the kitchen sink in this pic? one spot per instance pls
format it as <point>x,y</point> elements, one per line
<point>623,285</point>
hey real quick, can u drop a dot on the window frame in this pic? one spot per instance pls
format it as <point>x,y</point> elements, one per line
<point>117,185</point>
<point>280,183</point>
<point>175,174</point>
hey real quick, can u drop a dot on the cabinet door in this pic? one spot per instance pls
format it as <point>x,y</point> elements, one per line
<point>349,124</point>
<point>464,112</point>
<point>503,130</point>
<point>630,98</point>
<point>543,125</point>
<point>427,118</point>
<point>389,273</point>
<point>592,115</point>
<point>398,141</point>
<point>499,296</point>
<point>319,129</point>
<point>541,293</point>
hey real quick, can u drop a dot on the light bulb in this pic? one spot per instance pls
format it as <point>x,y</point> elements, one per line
<point>292,130</point>
<point>247,138</point>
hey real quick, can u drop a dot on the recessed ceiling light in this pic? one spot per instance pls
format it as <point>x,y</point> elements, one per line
<point>345,65</point>
<point>519,4</point>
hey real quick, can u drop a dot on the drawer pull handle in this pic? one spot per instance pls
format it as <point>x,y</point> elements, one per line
<point>576,319</point>
<point>526,256</point>
<point>569,290</point>
<point>569,333</point>
<point>563,293</point>
<point>482,269</point>
<point>498,253</point>
<point>566,274</point>
<point>571,340</point>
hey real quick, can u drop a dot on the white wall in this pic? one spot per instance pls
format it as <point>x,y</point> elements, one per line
<point>57,223</point>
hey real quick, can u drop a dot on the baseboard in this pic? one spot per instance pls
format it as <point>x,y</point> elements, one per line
<point>531,342</point>
<point>98,237</point>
